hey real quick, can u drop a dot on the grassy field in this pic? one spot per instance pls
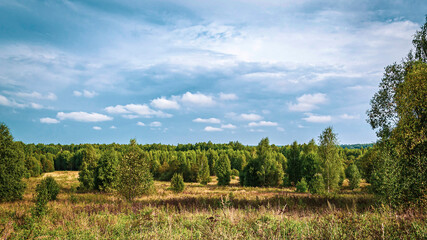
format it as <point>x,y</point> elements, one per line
<point>208,212</point>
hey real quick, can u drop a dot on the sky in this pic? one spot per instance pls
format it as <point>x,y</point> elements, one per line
<point>191,71</point>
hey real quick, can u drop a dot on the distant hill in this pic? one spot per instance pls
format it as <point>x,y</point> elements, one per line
<point>357,146</point>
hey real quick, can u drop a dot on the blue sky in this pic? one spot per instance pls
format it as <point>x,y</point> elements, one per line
<point>189,71</point>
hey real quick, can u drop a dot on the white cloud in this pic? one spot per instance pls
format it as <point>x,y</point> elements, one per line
<point>130,116</point>
<point>244,116</point>
<point>140,124</point>
<point>83,117</point>
<point>256,130</point>
<point>97,128</point>
<point>280,129</point>
<point>262,124</point>
<point>228,126</point>
<point>308,102</point>
<point>227,96</point>
<point>142,110</point>
<point>197,99</point>
<point>317,118</point>
<point>345,116</point>
<point>155,124</point>
<point>36,105</point>
<point>6,102</point>
<point>35,95</point>
<point>49,120</point>
<point>207,120</point>
<point>113,127</point>
<point>163,103</point>
<point>85,93</point>
<point>213,129</point>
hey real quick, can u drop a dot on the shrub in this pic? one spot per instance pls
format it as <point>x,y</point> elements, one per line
<point>51,186</point>
<point>177,183</point>
<point>302,186</point>
<point>317,185</point>
<point>235,172</point>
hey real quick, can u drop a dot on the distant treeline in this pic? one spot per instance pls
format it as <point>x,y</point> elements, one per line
<point>357,146</point>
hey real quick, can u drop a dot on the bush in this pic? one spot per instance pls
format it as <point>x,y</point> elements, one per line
<point>177,183</point>
<point>235,172</point>
<point>302,186</point>
<point>51,186</point>
<point>317,186</point>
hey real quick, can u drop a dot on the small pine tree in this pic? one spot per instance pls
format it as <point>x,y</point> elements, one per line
<point>302,186</point>
<point>223,170</point>
<point>51,186</point>
<point>353,176</point>
<point>177,183</point>
<point>317,186</point>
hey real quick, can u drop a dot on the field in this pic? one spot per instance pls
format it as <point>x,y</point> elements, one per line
<point>208,212</point>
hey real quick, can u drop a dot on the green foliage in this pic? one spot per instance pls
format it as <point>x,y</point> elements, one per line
<point>234,172</point>
<point>88,169</point>
<point>212,158</point>
<point>203,175</point>
<point>353,176</point>
<point>223,170</point>
<point>177,183</point>
<point>263,170</point>
<point>294,163</point>
<point>34,166</point>
<point>302,186</point>
<point>51,186</point>
<point>317,185</point>
<point>330,161</point>
<point>12,167</point>
<point>42,198</point>
<point>106,171</point>
<point>134,177</point>
<point>310,165</point>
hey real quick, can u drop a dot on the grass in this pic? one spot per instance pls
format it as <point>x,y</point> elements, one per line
<point>208,212</point>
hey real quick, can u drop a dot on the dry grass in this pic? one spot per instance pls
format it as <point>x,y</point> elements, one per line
<point>207,212</point>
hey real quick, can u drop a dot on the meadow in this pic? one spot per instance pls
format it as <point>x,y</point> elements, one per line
<point>208,212</point>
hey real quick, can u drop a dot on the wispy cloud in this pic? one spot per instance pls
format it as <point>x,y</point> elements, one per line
<point>244,116</point>
<point>140,124</point>
<point>83,117</point>
<point>97,128</point>
<point>48,120</point>
<point>142,110</point>
<point>197,99</point>
<point>308,102</point>
<point>228,126</point>
<point>345,116</point>
<point>163,103</point>
<point>227,96</point>
<point>207,120</point>
<point>213,129</point>
<point>262,124</point>
<point>317,118</point>
<point>155,124</point>
<point>33,95</point>
<point>85,93</point>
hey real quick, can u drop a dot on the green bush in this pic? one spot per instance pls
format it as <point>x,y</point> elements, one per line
<point>302,186</point>
<point>317,186</point>
<point>51,186</point>
<point>223,170</point>
<point>42,198</point>
<point>235,172</point>
<point>177,183</point>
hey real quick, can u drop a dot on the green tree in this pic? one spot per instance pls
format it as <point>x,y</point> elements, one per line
<point>294,163</point>
<point>223,170</point>
<point>317,185</point>
<point>353,176</point>
<point>330,160</point>
<point>212,156</point>
<point>302,186</point>
<point>106,171</point>
<point>134,177</point>
<point>203,175</point>
<point>12,167</point>
<point>177,183</point>
<point>88,168</point>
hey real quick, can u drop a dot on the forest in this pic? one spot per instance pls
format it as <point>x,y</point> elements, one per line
<point>318,190</point>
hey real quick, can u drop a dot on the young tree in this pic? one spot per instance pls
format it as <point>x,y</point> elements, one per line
<point>353,176</point>
<point>203,175</point>
<point>294,163</point>
<point>134,177</point>
<point>87,172</point>
<point>212,156</point>
<point>12,167</point>
<point>223,170</point>
<point>106,171</point>
<point>329,157</point>
<point>177,183</point>
<point>317,185</point>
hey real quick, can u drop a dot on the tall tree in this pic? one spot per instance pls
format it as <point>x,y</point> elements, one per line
<point>330,161</point>
<point>294,163</point>
<point>106,171</point>
<point>223,170</point>
<point>88,168</point>
<point>12,167</point>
